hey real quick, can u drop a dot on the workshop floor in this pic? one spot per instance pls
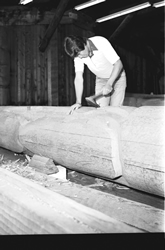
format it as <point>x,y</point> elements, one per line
<point>99,184</point>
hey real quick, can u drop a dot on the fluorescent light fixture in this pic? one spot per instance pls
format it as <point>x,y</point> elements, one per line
<point>124,12</point>
<point>25,1</point>
<point>88,4</point>
<point>159,4</point>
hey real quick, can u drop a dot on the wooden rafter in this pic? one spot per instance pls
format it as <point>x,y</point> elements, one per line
<point>53,25</point>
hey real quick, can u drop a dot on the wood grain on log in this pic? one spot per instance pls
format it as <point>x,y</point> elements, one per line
<point>9,131</point>
<point>144,150</point>
<point>105,142</point>
<point>88,142</point>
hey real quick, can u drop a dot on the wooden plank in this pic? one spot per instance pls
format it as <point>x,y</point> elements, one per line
<point>131,212</point>
<point>52,52</point>
<point>43,83</point>
<point>32,37</point>
<point>29,208</point>
<point>46,73</point>
<point>28,63</point>
<point>23,72</point>
<point>49,68</point>
<point>19,65</point>
<point>69,68</point>
<point>38,66</point>
<point>34,63</point>
<point>61,85</point>
<point>4,66</point>
<point>68,73</point>
<point>55,68</point>
<point>13,69</point>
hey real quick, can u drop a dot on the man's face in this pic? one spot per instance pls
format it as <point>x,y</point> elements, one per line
<point>84,53</point>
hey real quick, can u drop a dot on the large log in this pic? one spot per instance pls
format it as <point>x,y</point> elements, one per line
<point>107,142</point>
<point>83,142</point>
<point>143,149</point>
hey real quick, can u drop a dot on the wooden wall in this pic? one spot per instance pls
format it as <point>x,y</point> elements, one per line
<point>33,77</point>
<point>142,73</point>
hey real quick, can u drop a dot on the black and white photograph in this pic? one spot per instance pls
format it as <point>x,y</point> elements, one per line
<point>82,120</point>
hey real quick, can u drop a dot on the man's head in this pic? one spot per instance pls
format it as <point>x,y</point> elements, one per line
<point>76,46</point>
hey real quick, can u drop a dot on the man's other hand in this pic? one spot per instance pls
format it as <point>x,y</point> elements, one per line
<point>74,107</point>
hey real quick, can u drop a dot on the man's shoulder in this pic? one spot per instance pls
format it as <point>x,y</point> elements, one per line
<point>98,39</point>
<point>100,42</point>
<point>78,60</point>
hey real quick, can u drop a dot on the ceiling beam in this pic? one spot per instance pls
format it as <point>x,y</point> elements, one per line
<point>122,26</point>
<point>53,25</point>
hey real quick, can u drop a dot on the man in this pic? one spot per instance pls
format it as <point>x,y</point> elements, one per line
<point>100,57</point>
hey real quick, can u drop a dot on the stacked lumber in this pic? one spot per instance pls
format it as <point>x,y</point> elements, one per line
<point>138,100</point>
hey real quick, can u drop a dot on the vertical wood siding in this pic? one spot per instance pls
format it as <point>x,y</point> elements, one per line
<point>38,78</point>
<point>142,76</point>
<point>30,77</point>
<point>4,67</point>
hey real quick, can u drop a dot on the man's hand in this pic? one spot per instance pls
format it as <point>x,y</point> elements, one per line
<point>74,107</point>
<point>107,89</point>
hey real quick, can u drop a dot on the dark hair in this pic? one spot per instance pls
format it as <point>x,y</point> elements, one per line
<point>74,44</point>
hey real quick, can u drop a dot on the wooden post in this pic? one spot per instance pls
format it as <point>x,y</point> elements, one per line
<point>53,25</point>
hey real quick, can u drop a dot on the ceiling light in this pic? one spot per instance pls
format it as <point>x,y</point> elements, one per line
<point>124,12</point>
<point>25,1</point>
<point>88,4</point>
<point>159,4</point>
